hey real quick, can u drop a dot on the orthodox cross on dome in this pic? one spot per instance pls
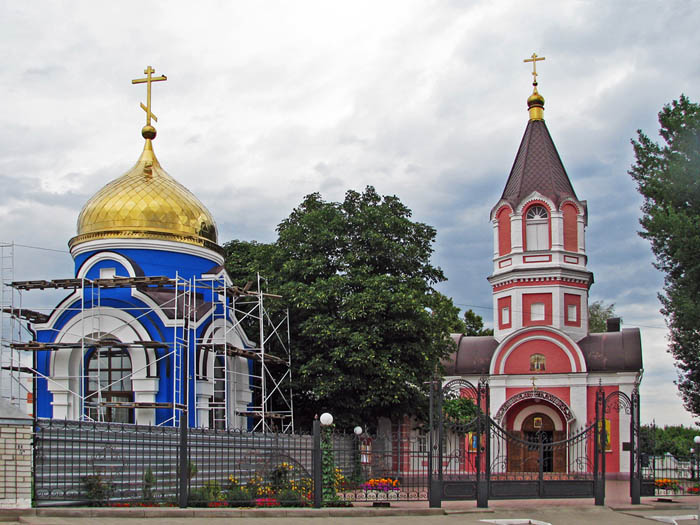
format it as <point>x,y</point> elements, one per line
<point>534,59</point>
<point>148,80</point>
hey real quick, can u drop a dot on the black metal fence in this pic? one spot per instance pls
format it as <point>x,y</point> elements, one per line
<point>668,475</point>
<point>88,463</point>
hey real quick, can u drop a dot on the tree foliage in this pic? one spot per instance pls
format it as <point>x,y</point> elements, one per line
<point>668,178</point>
<point>474,324</point>
<point>460,409</point>
<point>368,328</point>
<point>676,440</point>
<point>598,315</point>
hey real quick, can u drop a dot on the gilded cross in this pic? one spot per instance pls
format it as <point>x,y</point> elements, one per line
<point>534,59</point>
<point>148,80</point>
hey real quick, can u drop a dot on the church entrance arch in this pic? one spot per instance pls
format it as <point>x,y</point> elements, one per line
<point>532,419</point>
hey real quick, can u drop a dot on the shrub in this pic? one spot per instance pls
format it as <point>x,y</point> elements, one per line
<point>149,482</point>
<point>290,498</point>
<point>98,490</point>
<point>203,496</point>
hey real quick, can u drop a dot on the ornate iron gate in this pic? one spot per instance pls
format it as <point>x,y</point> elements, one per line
<point>477,458</point>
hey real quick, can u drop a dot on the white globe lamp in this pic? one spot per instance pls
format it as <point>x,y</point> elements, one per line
<point>326,419</point>
<point>357,430</point>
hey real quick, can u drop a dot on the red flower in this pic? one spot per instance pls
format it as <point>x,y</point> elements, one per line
<point>267,502</point>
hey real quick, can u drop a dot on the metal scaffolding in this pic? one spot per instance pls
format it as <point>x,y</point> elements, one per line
<point>15,367</point>
<point>259,335</point>
<point>247,346</point>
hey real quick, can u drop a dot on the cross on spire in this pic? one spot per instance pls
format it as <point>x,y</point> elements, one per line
<point>534,59</point>
<point>148,80</point>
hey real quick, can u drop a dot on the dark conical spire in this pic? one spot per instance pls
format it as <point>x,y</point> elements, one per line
<point>537,167</point>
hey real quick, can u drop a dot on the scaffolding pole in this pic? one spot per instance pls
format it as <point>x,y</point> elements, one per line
<point>247,329</point>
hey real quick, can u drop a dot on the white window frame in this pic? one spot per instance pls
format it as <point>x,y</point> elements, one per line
<point>537,312</point>
<point>505,315</point>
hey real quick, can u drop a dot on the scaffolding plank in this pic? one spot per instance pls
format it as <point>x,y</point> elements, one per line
<point>21,369</point>
<point>27,315</point>
<point>268,415</point>
<point>136,404</point>
<point>234,350</point>
<point>32,285</point>
<point>71,283</point>
<point>35,345</point>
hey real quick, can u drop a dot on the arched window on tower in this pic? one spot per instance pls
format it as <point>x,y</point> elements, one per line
<point>504,231</point>
<point>570,227</point>
<point>537,228</point>
<point>108,385</point>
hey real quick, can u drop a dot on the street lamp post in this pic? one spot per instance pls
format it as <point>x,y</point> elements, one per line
<point>694,459</point>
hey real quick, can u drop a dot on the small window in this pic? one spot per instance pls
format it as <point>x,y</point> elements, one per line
<point>537,363</point>
<point>571,313</point>
<point>537,312</point>
<point>107,273</point>
<point>505,315</point>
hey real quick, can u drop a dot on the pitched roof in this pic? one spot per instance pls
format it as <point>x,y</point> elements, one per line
<point>537,167</point>
<point>604,352</point>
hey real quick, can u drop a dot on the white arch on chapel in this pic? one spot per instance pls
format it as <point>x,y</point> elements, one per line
<point>65,363</point>
<point>554,338</point>
<point>542,408</point>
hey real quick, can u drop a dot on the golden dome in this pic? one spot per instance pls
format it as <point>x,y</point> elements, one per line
<point>146,203</point>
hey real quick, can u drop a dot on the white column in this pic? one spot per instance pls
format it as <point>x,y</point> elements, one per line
<point>497,393</point>
<point>516,233</point>
<point>494,225</point>
<point>145,390</point>
<point>557,231</point>
<point>205,391</point>
<point>581,234</point>
<point>624,426</point>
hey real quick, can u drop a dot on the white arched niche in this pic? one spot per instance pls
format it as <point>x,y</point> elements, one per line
<point>65,368</point>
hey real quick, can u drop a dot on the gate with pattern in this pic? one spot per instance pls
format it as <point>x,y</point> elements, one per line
<point>475,457</point>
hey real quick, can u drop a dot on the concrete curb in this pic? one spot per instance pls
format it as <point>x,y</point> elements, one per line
<point>172,512</point>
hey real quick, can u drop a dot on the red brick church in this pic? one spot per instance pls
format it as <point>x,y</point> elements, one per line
<point>542,364</point>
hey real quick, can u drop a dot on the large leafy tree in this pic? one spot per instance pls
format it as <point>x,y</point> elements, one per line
<point>368,327</point>
<point>668,177</point>
<point>598,315</point>
<point>474,324</point>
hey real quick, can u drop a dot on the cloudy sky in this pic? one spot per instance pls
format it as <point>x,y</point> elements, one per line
<point>268,101</point>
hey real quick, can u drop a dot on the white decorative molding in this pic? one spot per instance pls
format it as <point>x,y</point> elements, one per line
<point>147,244</point>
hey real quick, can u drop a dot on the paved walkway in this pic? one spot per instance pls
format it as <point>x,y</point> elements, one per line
<point>618,510</point>
<point>548,515</point>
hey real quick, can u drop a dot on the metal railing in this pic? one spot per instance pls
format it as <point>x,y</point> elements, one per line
<point>114,464</point>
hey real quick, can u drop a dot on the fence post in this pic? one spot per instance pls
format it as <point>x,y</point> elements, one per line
<point>599,455</point>
<point>635,474</point>
<point>317,470</point>
<point>433,494</point>
<point>183,452</point>
<point>484,434</point>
